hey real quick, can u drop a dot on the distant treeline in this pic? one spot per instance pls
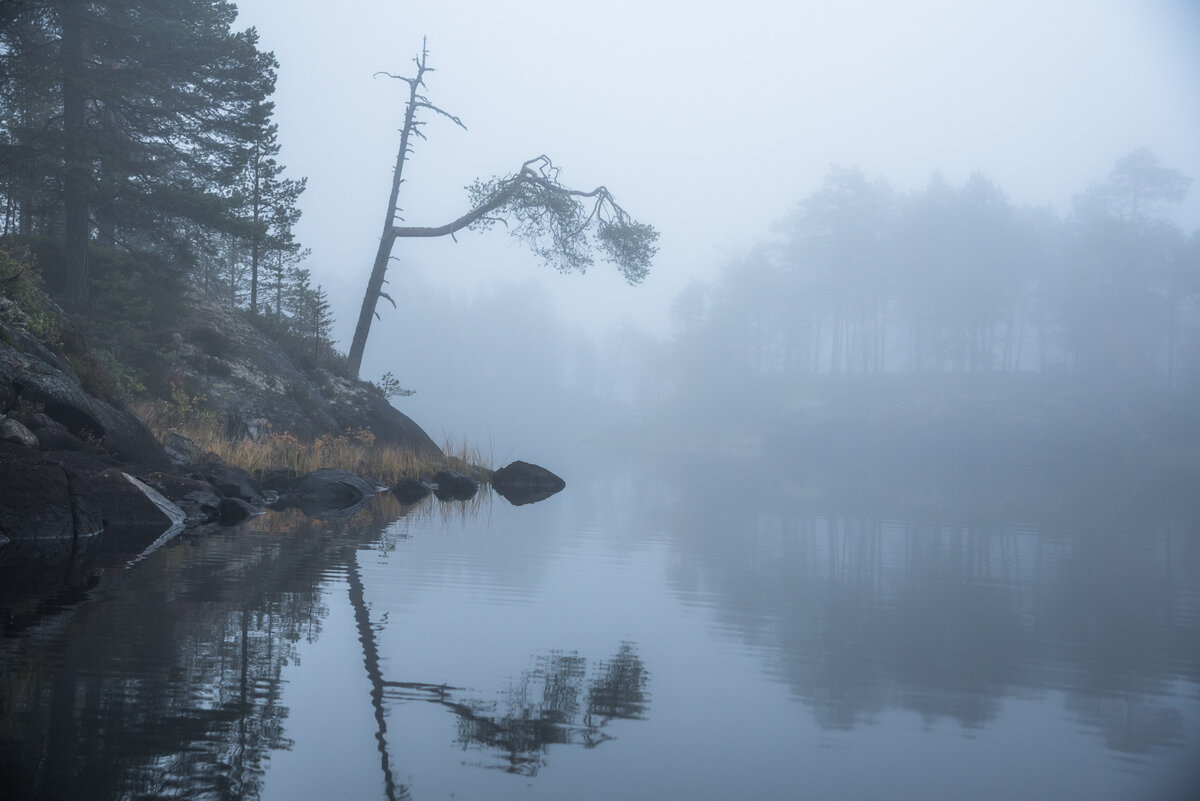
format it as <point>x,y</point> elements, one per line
<point>865,280</point>
<point>138,154</point>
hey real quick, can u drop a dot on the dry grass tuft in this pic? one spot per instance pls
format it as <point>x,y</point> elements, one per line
<point>355,451</point>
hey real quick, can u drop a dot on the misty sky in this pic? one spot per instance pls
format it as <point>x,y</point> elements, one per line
<point>708,120</point>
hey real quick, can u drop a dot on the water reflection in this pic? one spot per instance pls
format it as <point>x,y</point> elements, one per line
<point>859,615</point>
<point>553,703</point>
<point>550,705</point>
<point>164,678</point>
<point>161,684</point>
<point>170,677</point>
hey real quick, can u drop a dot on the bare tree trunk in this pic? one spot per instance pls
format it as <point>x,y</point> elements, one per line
<point>388,237</point>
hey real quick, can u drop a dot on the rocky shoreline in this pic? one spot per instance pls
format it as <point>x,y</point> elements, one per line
<point>56,501</point>
<point>80,474</point>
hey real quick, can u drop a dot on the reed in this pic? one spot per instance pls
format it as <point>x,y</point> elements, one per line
<point>357,452</point>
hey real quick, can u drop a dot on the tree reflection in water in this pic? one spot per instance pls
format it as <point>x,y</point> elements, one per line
<point>542,709</point>
<point>553,703</point>
<point>167,679</point>
<point>164,679</point>
<point>864,609</point>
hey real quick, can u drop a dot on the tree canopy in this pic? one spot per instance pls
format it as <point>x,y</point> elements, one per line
<point>144,126</point>
<point>862,279</point>
<point>146,129</point>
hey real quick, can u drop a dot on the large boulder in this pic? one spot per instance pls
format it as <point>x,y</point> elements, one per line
<point>329,493</point>
<point>520,483</point>
<point>45,528</point>
<point>55,504</point>
<point>228,480</point>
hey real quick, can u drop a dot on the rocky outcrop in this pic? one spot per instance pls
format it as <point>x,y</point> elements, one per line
<point>255,387</point>
<point>520,483</point>
<point>39,384</point>
<point>55,503</point>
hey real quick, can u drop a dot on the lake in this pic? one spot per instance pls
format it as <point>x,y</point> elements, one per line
<point>661,629</point>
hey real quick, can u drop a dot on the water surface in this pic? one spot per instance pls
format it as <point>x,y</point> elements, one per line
<point>654,631</point>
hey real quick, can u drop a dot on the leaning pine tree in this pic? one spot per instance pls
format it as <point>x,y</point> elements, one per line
<point>564,226</point>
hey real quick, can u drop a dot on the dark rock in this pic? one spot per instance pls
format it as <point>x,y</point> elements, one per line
<point>24,341</point>
<point>40,503</point>
<point>229,481</point>
<point>40,420</point>
<point>175,486</point>
<point>56,437</point>
<point>330,493</point>
<point>280,480</point>
<point>235,510</point>
<point>181,450</point>
<point>520,483</point>
<point>454,486</point>
<point>198,499</point>
<point>15,432</point>
<point>201,507</point>
<point>124,503</point>
<point>409,490</point>
<point>35,377</point>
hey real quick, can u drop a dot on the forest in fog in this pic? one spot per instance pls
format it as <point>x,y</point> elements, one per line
<point>863,280</point>
<point>947,284</point>
<point>166,172</point>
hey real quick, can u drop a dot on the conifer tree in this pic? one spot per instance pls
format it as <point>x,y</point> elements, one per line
<point>267,201</point>
<point>140,122</point>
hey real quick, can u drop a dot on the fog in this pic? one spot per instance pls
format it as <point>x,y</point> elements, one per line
<point>714,123</point>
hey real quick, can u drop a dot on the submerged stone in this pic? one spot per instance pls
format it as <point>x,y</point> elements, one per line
<point>454,486</point>
<point>409,490</point>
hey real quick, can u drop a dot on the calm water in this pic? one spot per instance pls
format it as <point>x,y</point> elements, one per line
<point>652,632</point>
